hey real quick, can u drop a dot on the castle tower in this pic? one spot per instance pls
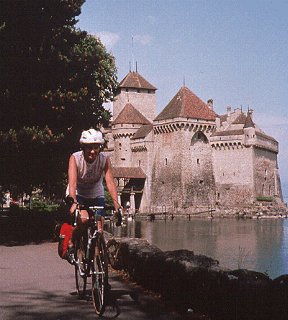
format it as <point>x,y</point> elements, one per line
<point>139,92</point>
<point>245,161</point>
<point>128,121</point>
<point>183,170</point>
<point>233,159</point>
<point>249,130</point>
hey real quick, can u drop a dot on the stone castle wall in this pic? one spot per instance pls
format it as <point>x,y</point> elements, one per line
<point>143,156</point>
<point>197,170</point>
<point>123,157</point>
<point>266,173</point>
<point>233,172</point>
<point>166,174</point>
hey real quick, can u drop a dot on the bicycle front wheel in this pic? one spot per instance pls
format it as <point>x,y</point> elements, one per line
<point>80,267</point>
<point>100,276</point>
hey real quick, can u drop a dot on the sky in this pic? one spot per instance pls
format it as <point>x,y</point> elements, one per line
<point>234,52</point>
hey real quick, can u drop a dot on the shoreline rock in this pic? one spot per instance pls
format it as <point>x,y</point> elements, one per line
<point>197,282</point>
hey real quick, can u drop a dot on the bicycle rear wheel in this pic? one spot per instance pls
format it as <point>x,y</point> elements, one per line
<point>100,276</point>
<point>80,267</point>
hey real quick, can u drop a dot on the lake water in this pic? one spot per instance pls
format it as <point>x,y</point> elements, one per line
<point>260,245</point>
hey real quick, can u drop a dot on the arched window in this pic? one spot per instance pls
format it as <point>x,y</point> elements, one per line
<point>199,137</point>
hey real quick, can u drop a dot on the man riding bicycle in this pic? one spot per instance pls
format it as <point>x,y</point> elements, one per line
<point>86,170</point>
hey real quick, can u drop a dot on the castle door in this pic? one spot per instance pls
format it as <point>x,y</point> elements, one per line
<point>130,184</point>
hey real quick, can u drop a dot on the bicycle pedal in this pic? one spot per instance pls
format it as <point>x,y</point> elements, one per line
<point>82,273</point>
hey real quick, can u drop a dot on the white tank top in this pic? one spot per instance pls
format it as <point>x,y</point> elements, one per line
<point>90,175</point>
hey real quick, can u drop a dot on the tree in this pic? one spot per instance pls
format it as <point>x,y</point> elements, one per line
<point>54,81</point>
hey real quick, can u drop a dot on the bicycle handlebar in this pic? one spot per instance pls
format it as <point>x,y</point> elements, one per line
<point>76,214</point>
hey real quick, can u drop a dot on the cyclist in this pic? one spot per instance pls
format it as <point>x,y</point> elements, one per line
<point>87,168</point>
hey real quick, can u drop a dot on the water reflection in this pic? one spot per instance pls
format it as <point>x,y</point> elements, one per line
<point>259,245</point>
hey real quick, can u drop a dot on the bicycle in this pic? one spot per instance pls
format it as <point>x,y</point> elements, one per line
<point>91,259</point>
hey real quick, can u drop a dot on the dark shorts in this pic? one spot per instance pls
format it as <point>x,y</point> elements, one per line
<point>93,202</point>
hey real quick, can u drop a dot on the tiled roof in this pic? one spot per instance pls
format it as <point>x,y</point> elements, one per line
<point>135,80</point>
<point>130,115</point>
<point>186,104</point>
<point>241,119</point>
<point>223,118</point>
<point>128,172</point>
<point>143,131</point>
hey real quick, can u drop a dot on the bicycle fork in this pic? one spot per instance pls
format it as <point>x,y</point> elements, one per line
<point>89,257</point>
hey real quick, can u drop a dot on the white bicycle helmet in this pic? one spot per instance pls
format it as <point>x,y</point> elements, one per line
<point>91,136</point>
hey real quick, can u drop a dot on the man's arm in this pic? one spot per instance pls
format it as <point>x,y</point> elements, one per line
<point>72,181</point>
<point>111,184</point>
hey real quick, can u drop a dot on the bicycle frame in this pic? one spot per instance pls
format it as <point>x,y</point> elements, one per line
<point>91,260</point>
<point>90,230</point>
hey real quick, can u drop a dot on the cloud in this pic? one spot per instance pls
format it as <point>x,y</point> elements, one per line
<point>144,39</point>
<point>109,39</point>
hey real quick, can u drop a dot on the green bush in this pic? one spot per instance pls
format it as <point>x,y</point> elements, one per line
<point>42,205</point>
<point>262,198</point>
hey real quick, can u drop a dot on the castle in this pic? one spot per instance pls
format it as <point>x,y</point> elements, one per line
<point>187,157</point>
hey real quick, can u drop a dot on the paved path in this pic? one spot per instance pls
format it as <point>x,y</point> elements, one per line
<point>35,284</point>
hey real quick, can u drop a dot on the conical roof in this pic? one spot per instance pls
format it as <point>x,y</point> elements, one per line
<point>130,115</point>
<point>249,122</point>
<point>186,104</point>
<point>136,81</point>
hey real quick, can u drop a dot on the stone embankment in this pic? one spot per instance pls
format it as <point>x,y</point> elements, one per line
<point>196,283</point>
<point>257,211</point>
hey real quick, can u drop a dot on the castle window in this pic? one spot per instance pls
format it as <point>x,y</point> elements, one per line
<point>139,163</point>
<point>201,181</point>
<point>199,136</point>
<point>198,161</point>
<point>166,161</point>
<point>123,159</point>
